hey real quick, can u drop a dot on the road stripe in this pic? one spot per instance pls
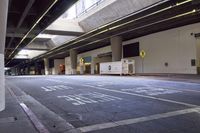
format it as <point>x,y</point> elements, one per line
<point>55,80</point>
<point>37,124</point>
<point>46,89</point>
<point>189,90</point>
<point>7,120</point>
<point>145,96</point>
<point>184,90</point>
<point>136,120</point>
<point>171,81</point>
<point>135,94</point>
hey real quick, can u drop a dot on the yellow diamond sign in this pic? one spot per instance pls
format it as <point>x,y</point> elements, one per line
<point>81,60</point>
<point>142,53</point>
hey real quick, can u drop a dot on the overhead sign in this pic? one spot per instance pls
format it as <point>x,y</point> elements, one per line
<point>142,53</point>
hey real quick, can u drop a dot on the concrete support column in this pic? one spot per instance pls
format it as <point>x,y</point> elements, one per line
<point>26,71</point>
<point>16,71</point>
<point>19,71</point>
<point>46,66</point>
<point>29,69</point>
<point>116,47</point>
<point>92,66</point>
<point>82,69</point>
<point>73,58</point>
<point>3,23</point>
<point>36,68</point>
<point>13,72</point>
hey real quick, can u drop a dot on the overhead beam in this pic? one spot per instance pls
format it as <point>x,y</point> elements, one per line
<point>19,32</point>
<point>39,49</point>
<point>21,20</point>
<point>63,33</point>
<point>18,35</point>
<point>26,10</point>
<point>9,6</point>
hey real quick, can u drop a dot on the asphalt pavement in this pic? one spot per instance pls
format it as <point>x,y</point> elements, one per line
<point>110,104</point>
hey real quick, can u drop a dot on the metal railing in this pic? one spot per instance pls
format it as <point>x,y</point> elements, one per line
<point>89,8</point>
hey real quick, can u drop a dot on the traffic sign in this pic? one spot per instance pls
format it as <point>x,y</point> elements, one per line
<point>81,61</point>
<point>142,53</point>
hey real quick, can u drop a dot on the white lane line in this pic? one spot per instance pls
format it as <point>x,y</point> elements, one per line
<point>39,126</point>
<point>189,90</point>
<point>33,118</point>
<point>45,89</point>
<point>7,120</point>
<point>145,96</point>
<point>136,120</point>
<point>171,88</point>
<point>57,81</point>
<point>169,81</point>
<point>134,94</point>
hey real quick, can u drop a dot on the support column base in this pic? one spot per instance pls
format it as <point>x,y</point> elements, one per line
<point>46,72</point>
<point>73,72</point>
<point>2,83</point>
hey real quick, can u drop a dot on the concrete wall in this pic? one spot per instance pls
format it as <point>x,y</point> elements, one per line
<point>92,53</point>
<point>176,47</point>
<point>56,69</point>
<point>198,54</point>
<point>67,65</point>
<point>95,52</point>
<point>65,25</point>
<point>60,40</point>
<point>110,10</point>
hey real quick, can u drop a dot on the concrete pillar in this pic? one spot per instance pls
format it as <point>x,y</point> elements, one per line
<point>46,66</point>
<point>116,47</point>
<point>29,69</point>
<point>3,23</point>
<point>73,57</point>
<point>82,70</point>
<point>19,71</point>
<point>16,71</point>
<point>26,71</point>
<point>36,68</point>
<point>13,72</point>
<point>92,66</point>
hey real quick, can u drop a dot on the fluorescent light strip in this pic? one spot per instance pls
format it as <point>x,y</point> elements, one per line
<point>178,4</point>
<point>33,27</point>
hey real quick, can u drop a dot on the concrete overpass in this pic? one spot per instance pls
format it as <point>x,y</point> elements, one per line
<point>44,42</point>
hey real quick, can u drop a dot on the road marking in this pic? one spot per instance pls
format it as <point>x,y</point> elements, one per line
<point>140,95</point>
<point>167,81</point>
<point>101,85</point>
<point>7,120</point>
<point>152,91</point>
<point>145,96</point>
<point>189,90</point>
<point>88,98</point>
<point>45,89</point>
<point>38,125</point>
<point>56,87</point>
<point>136,120</point>
<point>58,81</point>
